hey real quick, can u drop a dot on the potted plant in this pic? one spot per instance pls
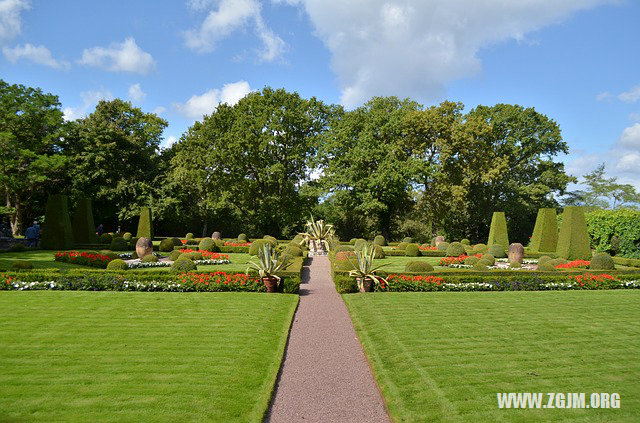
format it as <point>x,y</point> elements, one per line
<point>269,262</point>
<point>317,236</point>
<point>364,271</point>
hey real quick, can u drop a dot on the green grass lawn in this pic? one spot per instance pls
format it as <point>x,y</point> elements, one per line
<point>445,356</point>
<point>117,356</point>
<point>41,259</point>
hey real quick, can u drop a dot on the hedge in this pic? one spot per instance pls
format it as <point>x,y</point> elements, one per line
<point>615,231</point>
<point>498,231</point>
<point>145,224</point>
<point>84,228</point>
<point>573,241</point>
<point>56,232</point>
<point>545,232</point>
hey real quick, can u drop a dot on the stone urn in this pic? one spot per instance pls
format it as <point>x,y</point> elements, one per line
<point>271,283</point>
<point>144,247</point>
<point>516,253</point>
<point>439,240</point>
<point>216,235</point>
<point>366,284</point>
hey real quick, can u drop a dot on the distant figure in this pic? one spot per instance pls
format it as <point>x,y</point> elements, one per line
<point>100,229</point>
<point>31,234</point>
<point>38,230</point>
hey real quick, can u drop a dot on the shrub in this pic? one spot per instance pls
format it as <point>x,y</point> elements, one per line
<point>21,265</point>
<point>145,224</point>
<point>189,235</point>
<point>149,258</point>
<point>133,242</point>
<point>271,238</point>
<point>407,239</point>
<point>56,232</point>
<point>379,240</point>
<point>443,246</point>
<point>258,244</point>
<point>481,266</point>
<point>557,261</point>
<point>418,266</point>
<point>497,251</point>
<point>543,259</point>
<point>573,240</point>
<point>340,248</point>
<point>498,231</point>
<point>84,228</point>
<point>412,250</point>
<point>345,255</point>
<point>480,248</point>
<point>183,264</point>
<point>110,254</point>
<point>293,251</point>
<point>174,255</point>
<point>134,255</point>
<point>602,261</point>
<point>117,264</point>
<point>242,237</point>
<point>360,243</point>
<point>352,241</point>
<point>193,256</point>
<point>465,241</point>
<point>207,244</point>
<point>615,231</point>
<point>106,239</point>
<point>515,265</point>
<point>545,232</point>
<point>490,258</point>
<point>18,248</point>
<point>547,267</point>
<point>166,245</point>
<point>379,252</point>
<point>345,284</point>
<point>455,249</point>
<point>127,236</point>
<point>402,246</point>
<point>176,242</point>
<point>470,261</point>
<point>119,244</point>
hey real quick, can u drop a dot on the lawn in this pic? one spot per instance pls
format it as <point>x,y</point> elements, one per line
<point>445,356</point>
<point>117,356</point>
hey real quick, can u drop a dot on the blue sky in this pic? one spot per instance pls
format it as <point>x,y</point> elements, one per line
<point>577,61</point>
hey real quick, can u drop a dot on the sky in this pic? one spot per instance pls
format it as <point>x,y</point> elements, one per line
<point>576,61</point>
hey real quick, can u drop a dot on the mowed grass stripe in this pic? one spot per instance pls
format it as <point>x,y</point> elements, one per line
<point>123,356</point>
<point>444,356</point>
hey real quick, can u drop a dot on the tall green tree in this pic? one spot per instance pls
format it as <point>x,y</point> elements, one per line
<point>30,160</point>
<point>116,160</point>
<point>603,192</point>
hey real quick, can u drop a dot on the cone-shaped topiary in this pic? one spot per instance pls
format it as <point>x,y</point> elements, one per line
<point>56,232</point>
<point>379,240</point>
<point>418,266</point>
<point>545,233</point>
<point>498,231</point>
<point>145,224</point>
<point>602,261</point>
<point>412,250</point>
<point>84,229</point>
<point>573,241</point>
<point>455,249</point>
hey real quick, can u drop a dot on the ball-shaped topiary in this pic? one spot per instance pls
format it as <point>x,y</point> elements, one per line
<point>378,253</point>
<point>547,267</point>
<point>193,256</point>
<point>176,242</point>
<point>360,243</point>
<point>242,237</point>
<point>455,249</point>
<point>443,246</point>
<point>345,255</point>
<point>402,246</point>
<point>183,264</point>
<point>21,265</point>
<point>270,238</point>
<point>481,266</point>
<point>544,259</point>
<point>117,264</point>
<point>480,248</point>
<point>497,251</point>
<point>119,244</point>
<point>149,258</point>
<point>258,244</point>
<point>556,261</point>
<point>412,250</point>
<point>166,245</point>
<point>418,266</point>
<point>105,239</point>
<point>470,261</point>
<point>489,258</point>
<point>340,248</point>
<point>208,244</point>
<point>465,241</point>
<point>515,265</point>
<point>407,239</point>
<point>127,236</point>
<point>189,235</point>
<point>380,240</point>
<point>352,241</point>
<point>174,255</point>
<point>293,251</point>
<point>602,261</point>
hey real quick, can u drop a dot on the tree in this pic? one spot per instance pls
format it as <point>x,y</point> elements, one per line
<point>116,162</point>
<point>602,192</point>
<point>30,159</point>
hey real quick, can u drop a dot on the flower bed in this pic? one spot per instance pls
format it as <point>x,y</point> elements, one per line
<point>575,264</point>
<point>237,244</point>
<point>82,258</point>
<point>427,248</point>
<point>448,261</point>
<point>208,254</point>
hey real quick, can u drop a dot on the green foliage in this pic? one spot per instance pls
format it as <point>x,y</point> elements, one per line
<point>498,231</point>
<point>242,237</point>
<point>149,258</point>
<point>545,232</point>
<point>145,224</point>
<point>543,259</point>
<point>481,266</point>
<point>470,261</point>
<point>515,265</point>
<point>602,261</point>
<point>106,238</point>
<point>573,240</point>
<point>412,250</point>
<point>174,255</point>
<point>497,251</point>
<point>418,266</point>
<point>378,252</point>
<point>407,239</point>
<point>465,241</point>
<point>402,246</point>
<point>352,241</point>
<point>443,246</point>
<point>603,192</point>
<point>119,244</point>
<point>480,248</point>
<point>341,248</point>
<point>547,267</point>
<point>183,264</point>
<point>189,235</point>
<point>380,240</point>
<point>84,228</point>
<point>16,248</point>
<point>258,244</point>
<point>615,231</point>
<point>345,284</point>
<point>117,264</point>
<point>127,236</point>
<point>359,244</point>
<point>293,251</point>
<point>193,256</point>
<point>455,249</point>
<point>207,244</point>
<point>21,265</point>
<point>166,245</point>
<point>56,232</point>
<point>489,258</point>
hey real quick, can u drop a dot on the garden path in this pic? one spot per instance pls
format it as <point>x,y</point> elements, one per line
<point>325,376</point>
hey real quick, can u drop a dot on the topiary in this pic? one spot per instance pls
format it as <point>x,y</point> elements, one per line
<point>258,244</point>
<point>455,249</point>
<point>360,243</point>
<point>481,266</point>
<point>345,255</point>
<point>443,246</point>
<point>543,259</point>
<point>418,266</point>
<point>465,241</point>
<point>379,240</point>
<point>134,255</point>
<point>556,261</point>
<point>18,248</point>
<point>402,246</point>
<point>145,224</point>
<point>193,256</point>
<point>602,261</point>
<point>111,254</point>
<point>545,232</point>
<point>515,265</point>
<point>242,237</point>
<point>271,238</point>
<point>497,251</point>
<point>352,241</point>
<point>174,255</point>
<point>189,235</point>
<point>293,251</point>
<point>480,248</point>
<point>166,245</point>
<point>407,239</point>
<point>340,248</point>
<point>378,253</point>
<point>412,250</point>
<point>57,233</point>
<point>183,264</point>
<point>132,242</point>
<point>208,244</point>
<point>573,240</point>
<point>119,244</point>
<point>127,236</point>
<point>489,258</point>
<point>117,264</point>
<point>21,265</point>
<point>498,231</point>
<point>176,242</point>
<point>84,228</point>
<point>105,239</point>
<point>149,258</point>
<point>547,267</point>
<point>470,261</point>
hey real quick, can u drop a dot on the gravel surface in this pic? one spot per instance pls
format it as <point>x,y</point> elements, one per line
<point>325,376</point>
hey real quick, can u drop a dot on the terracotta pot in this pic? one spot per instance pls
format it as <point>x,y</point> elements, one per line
<point>270,283</point>
<point>367,285</point>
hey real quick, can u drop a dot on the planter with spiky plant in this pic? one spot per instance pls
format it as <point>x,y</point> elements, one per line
<point>317,236</point>
<point>363,269</point>
<point>268,264</point>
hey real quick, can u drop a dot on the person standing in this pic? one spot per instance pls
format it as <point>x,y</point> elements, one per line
<point>100,229</point>
<point>38,231</point>
<point>31,234</point>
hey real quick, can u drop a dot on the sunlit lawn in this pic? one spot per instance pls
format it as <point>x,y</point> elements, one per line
<point>445,356</point>
<point>124,356</point>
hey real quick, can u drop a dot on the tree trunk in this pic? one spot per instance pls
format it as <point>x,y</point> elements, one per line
<point>14,218</point>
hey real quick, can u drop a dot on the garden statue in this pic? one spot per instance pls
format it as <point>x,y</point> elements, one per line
<point>516,252</point>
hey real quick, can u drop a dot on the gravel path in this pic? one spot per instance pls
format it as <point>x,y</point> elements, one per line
<point>325,376</point>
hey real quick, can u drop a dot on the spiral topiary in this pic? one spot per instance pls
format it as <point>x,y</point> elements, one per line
<point>117,264</point>
<point>497,251</point>
<point>455,249</point>
<point>418,266</point>
<point>412,250</point>
<point>166,245</point>
<point>602,261</point>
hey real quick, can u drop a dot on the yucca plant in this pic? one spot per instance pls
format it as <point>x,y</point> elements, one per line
<point>363,268</point>
<point>317,234</point>
<point>269,262</point>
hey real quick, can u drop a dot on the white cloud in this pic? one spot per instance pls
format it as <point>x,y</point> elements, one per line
<point>89,100</point>
<point>119,57</point>
<point>232,15</point>
<point>136,94</point>
<point>159,110</point>
<point>203,104</point>
<point>634,116</point>
<point>414,48</point>
<point>37,54</point>
<point>604,96</point>
<point>170,141</point>
<point>630,138</point>
<point>630,96</point>
<point>10,19</point>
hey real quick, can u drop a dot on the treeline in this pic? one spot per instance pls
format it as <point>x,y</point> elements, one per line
<point>265,164</point>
